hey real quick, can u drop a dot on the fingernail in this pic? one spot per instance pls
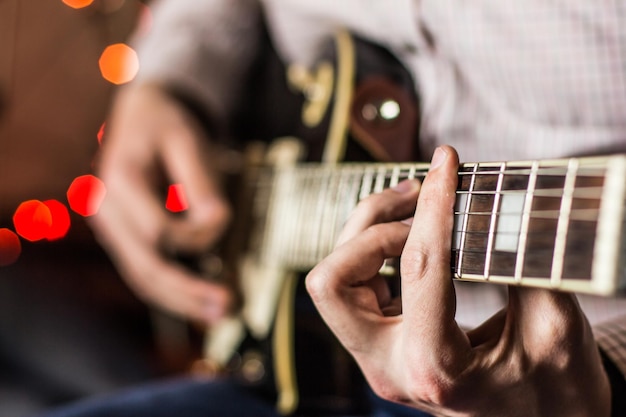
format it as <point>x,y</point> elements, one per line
<point>405,186</point>
<point>408,221</point>
<point>439,157</point>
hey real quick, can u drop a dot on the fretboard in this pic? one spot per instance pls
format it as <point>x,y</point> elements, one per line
<point>554,224</point>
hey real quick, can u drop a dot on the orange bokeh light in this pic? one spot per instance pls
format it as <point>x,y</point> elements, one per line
<point>176,200</point>
<point>32,220</point>
<point>118,63</point>
<point>85,195</point>
<point>60,220</point>
<point>10,247</point>
<point>77,4</point>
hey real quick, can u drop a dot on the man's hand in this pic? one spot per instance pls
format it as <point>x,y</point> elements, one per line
<point>537,357</point>
<point>151,136</point>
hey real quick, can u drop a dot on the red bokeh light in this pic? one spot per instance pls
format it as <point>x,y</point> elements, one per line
<point>118,63</point>
<point>32,220</point>
<point>60,220</point>
<point>85,195</point>
<point>10,247</point>
<point>100,134</point>
<point>77,4</point>
<point>176,200</point>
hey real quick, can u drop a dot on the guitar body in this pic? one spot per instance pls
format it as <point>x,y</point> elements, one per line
<point>550,224</point>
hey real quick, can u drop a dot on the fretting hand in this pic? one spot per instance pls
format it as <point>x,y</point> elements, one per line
<point>537,357</point>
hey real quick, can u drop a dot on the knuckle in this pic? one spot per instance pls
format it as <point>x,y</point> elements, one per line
<point>316,283</point>
<point>414,262</point>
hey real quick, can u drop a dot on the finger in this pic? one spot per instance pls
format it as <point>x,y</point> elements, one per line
<point>187,159</point>
<point>427,291</point>
<point>338,284</point>
<point>392,204</point>
<point>203,223</point>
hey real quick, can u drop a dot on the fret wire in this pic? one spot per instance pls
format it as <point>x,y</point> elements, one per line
<point>342,191</point>
<point>289,216</point>
<point>312,207</point>
<point>269,248</point>
<point>330,216</point>
<point>283,187</point>
<point>411,175</point>
<point>303,224</point>
<point>299,221</point>
<point>380,180</point>
<point>261,207</point>
<point>492,223</point>
<point>523,233</point>
<point>395,174</point>
<point>319,201</point>
<point>465,221</point>
<point>293,220</point>
<point>316,238</point>
<point>354,177</point>
<point>563,223</point>
<point>366,185</point>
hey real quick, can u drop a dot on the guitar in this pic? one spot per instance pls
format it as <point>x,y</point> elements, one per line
<point>553,224</point>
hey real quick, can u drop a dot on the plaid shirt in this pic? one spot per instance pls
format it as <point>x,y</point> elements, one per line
<point>498,80</point>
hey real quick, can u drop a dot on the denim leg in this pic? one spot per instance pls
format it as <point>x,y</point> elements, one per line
<point>184,397</point>
<point>384,408</point>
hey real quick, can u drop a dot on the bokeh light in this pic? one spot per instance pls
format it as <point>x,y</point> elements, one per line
<point>60,220</point>
<point>176,200</point>
<point>118,63</point>
<point>85,195</point>
<point>77,4</point>
<point>100,134</point>
<point>10,247</point>
<point>32,220</point>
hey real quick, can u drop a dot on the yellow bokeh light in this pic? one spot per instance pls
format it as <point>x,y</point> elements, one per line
<point>118,63</point>
<point>77,4</point>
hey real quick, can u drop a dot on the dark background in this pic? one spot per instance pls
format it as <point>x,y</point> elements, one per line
<point>69,326</point>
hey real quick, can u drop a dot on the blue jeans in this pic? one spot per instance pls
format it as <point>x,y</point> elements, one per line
<point>197,398</point>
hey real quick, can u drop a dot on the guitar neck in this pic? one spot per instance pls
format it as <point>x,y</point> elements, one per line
<point>553,224</point>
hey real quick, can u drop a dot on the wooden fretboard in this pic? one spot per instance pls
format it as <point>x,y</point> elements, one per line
<point>554,224</point>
